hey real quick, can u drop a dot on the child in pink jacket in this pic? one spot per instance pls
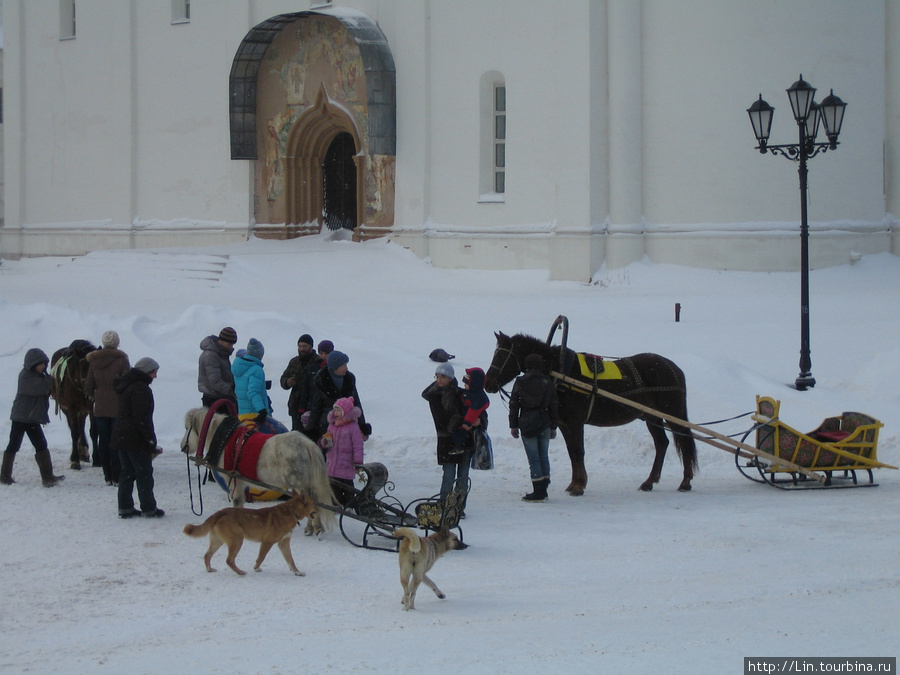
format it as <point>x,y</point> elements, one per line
<point>346,446</point>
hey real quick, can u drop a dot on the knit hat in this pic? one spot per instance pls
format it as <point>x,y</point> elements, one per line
<point>326,346</point>
<point>307,338</point>
<point>336,360</point>
<point>110,339</point>
<point>228,334</point>
<point>533,361</point>
<point>446,370</point>
<point>345,404</point>
<point>255,348</point>
<point>146,365</point>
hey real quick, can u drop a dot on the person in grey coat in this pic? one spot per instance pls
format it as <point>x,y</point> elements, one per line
<point>29,412</point>
<point>214,378</point>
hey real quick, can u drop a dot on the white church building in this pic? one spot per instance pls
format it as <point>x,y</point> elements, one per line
<point>496,134</point>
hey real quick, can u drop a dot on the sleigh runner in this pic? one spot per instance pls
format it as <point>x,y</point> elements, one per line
<point>367,517</point>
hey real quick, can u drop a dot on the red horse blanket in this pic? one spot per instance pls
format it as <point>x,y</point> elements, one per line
<point>242,452</point>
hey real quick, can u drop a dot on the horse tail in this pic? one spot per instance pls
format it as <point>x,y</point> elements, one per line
<point>684,437</point>
<point>319,484</point>
<point>686,446</point>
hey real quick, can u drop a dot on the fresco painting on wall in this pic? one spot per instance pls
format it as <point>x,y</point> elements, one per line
<point>313,52</point>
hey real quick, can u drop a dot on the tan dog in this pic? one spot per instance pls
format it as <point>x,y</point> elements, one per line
<point>269,526</point>
<point>417,556</point>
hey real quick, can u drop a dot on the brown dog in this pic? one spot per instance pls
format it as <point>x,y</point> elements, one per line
<point>417,556</point>
<point>269,526</point>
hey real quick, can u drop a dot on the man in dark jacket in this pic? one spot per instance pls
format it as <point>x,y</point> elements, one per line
<point>29,412</point>
<point>214,379</point>
<point>298,377</point>
<point>533,414</point>
<point>134,438</point>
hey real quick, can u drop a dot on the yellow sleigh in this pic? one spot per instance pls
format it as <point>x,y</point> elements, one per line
<point>840,447</point>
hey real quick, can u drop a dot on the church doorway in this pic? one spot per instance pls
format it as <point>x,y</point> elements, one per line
<point>339,184</point>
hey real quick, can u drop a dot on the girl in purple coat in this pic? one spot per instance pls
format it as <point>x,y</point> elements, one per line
<point>345,442</point>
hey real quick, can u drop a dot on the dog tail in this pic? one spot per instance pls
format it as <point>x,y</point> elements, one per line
<point>197,530</point>
<point>405,533</point>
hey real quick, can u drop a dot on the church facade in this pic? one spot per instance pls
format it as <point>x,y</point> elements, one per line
<point>495,134</point>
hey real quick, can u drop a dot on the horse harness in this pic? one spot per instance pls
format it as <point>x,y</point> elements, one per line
<point>241,445</point>
<point>594,369</point>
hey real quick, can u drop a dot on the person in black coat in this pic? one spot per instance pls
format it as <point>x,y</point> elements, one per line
<point>445,400</point>
<point>134,438</point>
<point>298,377</point>
<point>533,414</point>
<point>332,382</point>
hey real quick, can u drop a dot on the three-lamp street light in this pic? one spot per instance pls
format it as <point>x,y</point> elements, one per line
<point>808,115</point>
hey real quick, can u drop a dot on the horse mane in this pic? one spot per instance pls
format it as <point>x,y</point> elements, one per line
<point>532,345</point>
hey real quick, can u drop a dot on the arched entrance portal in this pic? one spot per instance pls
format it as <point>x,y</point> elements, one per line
<point>324,169</point>
<point>301,82</point>
<point>339,185</point>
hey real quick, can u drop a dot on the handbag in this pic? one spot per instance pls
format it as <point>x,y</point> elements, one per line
<point>483,457</point>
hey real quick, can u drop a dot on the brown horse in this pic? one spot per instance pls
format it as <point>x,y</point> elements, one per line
<point>647,379</point>
<point>69,368</point>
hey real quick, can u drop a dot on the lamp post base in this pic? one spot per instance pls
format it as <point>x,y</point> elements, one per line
<point>805,381</point>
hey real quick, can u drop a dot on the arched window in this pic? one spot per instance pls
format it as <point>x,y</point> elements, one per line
<point>492,170</point>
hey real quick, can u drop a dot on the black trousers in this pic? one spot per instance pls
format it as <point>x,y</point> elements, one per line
<point>35,435</point>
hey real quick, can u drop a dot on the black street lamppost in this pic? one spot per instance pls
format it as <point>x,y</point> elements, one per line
<point>807,115</point>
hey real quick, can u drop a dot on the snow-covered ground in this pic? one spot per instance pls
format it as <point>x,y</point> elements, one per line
<point>615,581</point>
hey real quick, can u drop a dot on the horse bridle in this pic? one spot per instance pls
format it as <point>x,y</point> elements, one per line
<point>509,355</point>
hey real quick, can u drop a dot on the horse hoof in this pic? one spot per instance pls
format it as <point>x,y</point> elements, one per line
<point>576,492</point>
<point>646,487</point>
<point>75,466</point>
<point>684,488</point>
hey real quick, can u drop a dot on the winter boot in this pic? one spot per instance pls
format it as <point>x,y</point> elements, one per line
<point>6,472</point>
<point>540,491</point>
<point>45,464</point>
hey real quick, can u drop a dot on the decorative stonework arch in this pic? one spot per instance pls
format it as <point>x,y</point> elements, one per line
<point>308,142</point>
<point>298,82</point>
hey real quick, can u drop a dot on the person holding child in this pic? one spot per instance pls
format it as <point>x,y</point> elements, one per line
<point>29,411</point>
<point>455,413</point>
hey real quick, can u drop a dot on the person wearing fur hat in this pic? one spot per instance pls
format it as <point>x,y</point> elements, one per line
<point>343,443</point>
<point>134,438</point>
<point>105,366</point>
<point>533,414</point>
<point>250,384</point>
<point>332,382</point>
<point>214,378</point>
<point>298,377</point>
<point>29,412</point>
